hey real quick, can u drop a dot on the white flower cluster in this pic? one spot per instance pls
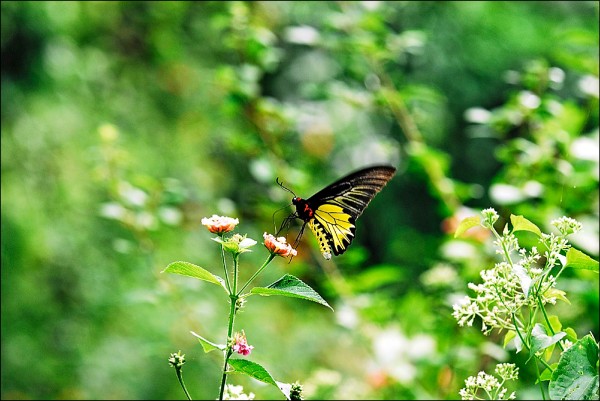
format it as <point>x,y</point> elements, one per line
<point>567,225</point>
<point>498,295</point>
<point>233,392</point>
<point>491,386</point>
<point>516,282</point>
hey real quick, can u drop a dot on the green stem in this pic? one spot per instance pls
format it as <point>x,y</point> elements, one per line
<point>543,309</point>
<point>224,377</point>
<point>496,392</point>
<point>501,241</point>
<point>514,318</point>
<point>225,268</point>
<point>527,345</point>
<point>541,305</point>
<point>269,259</point>
<point>180,378</point>
<point>235,274</point>
<point>537,295</point>
<point>560,272</point>
<point>233,300</point>
<point>537,369</point>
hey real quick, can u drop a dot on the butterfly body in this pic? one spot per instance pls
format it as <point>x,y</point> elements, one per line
<point>332,212</point>
<point>303,210</point>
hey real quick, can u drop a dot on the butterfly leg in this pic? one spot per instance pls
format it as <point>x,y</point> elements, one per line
<point>286,223</point>
<point>297,241</point>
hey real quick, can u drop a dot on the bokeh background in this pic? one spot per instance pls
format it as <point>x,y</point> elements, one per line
<point>125,123</point>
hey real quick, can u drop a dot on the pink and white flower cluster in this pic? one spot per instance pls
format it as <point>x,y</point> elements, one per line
<point>220,224</point>
<point>240,344</point>
<point>278,246</point>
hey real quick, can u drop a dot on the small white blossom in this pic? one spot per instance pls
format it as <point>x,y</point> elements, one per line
<point>566,344</point>
<point>507,371</point>
<point>233,392</point>
<point>566,225</point>
<point>489,217</point>
<point>490,385</point>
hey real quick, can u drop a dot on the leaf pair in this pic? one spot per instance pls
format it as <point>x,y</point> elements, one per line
<point>288,285</point>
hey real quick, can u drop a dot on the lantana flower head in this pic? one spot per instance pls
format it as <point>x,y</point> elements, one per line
<point>236,244</point>
<point>490,385</point>
<point>177,360</point>
<point>278,246</point>
<point>240,344</point>
<point>220,224</point>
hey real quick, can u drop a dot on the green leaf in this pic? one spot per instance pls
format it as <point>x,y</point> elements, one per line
<point>540,340</point>
<point>571,334</point>
<point>556,327</point>
<point>253,370</point>
<point>518,344</point>
<point>547,373</point>
<point>466,224</point>
<point>511,334</point>
<point>579,260</point>
<point>520,223</point>
<point>207,345</point>
<point>555,323</point>
<point>558,294</point>
<point>191,270</point>
<point>290,286</point>
<point>576,376</point>
<point>259,373</point>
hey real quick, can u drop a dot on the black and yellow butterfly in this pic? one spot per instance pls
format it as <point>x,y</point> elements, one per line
<point>331,213</point>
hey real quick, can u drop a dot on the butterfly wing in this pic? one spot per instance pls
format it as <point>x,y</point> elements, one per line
<point>337,206</point>
<point>334,228</point>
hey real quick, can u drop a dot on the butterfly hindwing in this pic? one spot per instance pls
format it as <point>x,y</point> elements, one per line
<point>334,228</point>
<point>336,207</point>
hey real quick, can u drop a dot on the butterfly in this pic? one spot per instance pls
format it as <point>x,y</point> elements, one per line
<point>331,213</point>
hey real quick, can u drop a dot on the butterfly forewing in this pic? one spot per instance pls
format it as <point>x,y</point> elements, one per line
<point>355,191</point>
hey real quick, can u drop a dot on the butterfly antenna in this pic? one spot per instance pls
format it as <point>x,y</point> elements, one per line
<point>286,222</point>
<point>282,186</point>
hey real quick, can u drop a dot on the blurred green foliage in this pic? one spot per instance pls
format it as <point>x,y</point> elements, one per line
<point>125,123</point>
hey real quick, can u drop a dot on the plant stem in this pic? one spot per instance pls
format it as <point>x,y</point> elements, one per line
<point>269,259</point>
<point>527,346</point>
<point>225,268</point>
<point>180,378</point>
<point>543,309</point>
<point>224,377</point>
<point>233,300</point>
<point>537,369</point>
